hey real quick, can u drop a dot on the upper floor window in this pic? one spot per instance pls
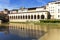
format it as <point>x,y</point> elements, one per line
<point>58,15</point>
<point>58,10</point>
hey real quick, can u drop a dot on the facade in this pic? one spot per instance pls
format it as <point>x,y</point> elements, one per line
<point>54,9</point>
<point>28,16</point>
<point>37,13</point>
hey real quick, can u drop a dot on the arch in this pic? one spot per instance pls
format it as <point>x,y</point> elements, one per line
<point>28,16</point>
<point>23,17</point>
<point>31,16</point>
<point>42,16</point>
<point>18,17</point>
<point>34,16</point>
<point>38,16</point>
<point>14,17</point>
<point>9,17</point>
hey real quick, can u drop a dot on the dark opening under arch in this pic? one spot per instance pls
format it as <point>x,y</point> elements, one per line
<point>28,16</point>
<point>31,16</point>
<point>34,16</point>
<point>38,16</point>
<point>42,16</point>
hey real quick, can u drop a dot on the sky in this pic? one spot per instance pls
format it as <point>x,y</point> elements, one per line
<point>16,4</point>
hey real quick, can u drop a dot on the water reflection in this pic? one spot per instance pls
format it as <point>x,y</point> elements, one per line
<point>23,32</point>
<point>26,31</point>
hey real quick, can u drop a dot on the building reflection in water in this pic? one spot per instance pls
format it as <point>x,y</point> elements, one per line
<point>27,30</point>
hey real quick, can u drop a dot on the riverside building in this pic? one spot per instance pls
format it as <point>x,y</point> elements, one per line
<point>37,13</point>
<point>28,14</point>
<point>54,9</point>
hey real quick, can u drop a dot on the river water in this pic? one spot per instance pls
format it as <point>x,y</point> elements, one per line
<point>15,31</point>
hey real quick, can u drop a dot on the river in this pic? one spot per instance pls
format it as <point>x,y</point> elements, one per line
<point>19,31</point>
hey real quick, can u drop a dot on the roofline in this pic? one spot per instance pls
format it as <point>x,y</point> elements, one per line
<point>28,12</point>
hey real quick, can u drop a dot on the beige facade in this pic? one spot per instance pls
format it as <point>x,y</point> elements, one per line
<point>28,16</point>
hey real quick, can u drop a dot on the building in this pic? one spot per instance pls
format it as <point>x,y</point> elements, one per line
<point>54,9</point>
<point>14,11</point>
<point>34,14</point>
<point>28,16</point>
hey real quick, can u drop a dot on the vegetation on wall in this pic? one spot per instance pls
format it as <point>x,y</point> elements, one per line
<point>50,21</point>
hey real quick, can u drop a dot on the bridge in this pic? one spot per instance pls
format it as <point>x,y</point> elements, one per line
<point>4,17</point>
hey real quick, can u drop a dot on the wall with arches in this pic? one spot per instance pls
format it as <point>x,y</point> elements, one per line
<point>27,16</point>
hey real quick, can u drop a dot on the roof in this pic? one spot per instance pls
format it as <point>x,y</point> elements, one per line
<point>28,12</point>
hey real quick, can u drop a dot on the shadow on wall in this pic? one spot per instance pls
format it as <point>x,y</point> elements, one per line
<point>48,15</point>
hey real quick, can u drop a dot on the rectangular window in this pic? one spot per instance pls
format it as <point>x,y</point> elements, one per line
<point>58,10</point>
<point>58,15</point>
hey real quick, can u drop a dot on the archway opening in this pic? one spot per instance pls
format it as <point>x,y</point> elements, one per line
<point>38,16</point>
<point>42,16</point>
<point>34,16</point>
<point>28,16</point>
<point>31,16</point>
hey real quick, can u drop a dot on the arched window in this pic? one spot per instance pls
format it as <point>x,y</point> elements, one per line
<point>38,16</point>
<point>28,16</point>
<point>42,16</point>
<point>31,16</point>
<point>34,16</point>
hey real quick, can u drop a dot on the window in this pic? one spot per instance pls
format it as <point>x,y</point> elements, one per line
<point>58,10</point>
<point>58,15</point>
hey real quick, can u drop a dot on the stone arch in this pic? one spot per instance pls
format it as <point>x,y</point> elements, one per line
<point>28,16</point>
<point>42,16</point>
<point>14,17</point>
<point>23,16</point>
<point>18,17</point>
<point>31,16</point>
<point>34,16</point>
<point>38,16</point>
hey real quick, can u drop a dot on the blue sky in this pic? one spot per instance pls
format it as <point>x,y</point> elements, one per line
<point>15,4</point>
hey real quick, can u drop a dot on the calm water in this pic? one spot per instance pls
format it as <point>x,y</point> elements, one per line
<point>23,32</point>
